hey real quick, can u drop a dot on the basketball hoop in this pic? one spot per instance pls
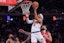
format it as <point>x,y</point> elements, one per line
<point>25,6</point>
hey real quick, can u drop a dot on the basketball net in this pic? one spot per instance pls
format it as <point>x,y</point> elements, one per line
<point>25,6</point>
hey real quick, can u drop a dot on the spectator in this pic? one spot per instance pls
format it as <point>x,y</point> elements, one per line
<point>10,39</point>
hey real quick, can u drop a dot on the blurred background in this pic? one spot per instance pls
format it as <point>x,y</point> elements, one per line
<point>11,20</point>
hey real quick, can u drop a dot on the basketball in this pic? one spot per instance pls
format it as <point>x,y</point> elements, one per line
<point>35,4</point>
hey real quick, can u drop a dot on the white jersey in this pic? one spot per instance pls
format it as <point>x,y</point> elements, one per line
<point>35,26</point>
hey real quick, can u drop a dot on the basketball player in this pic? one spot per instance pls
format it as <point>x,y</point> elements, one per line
<point>36,25</point>
<point>46,34</point>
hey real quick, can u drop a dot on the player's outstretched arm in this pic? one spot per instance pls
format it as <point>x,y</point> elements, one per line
<point>36,16</point>
<point>25,32</point>
<point>27,20</point>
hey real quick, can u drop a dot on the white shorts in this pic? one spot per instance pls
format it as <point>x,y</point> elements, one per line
<point>37,37</point>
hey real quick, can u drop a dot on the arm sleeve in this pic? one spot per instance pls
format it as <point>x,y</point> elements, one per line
<point>29,21</point>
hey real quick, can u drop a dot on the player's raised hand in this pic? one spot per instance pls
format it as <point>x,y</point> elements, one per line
<point>35,5</point>
<point>27,15</point>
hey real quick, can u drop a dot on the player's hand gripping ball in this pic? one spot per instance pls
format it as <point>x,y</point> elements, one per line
<point>35,4</point>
